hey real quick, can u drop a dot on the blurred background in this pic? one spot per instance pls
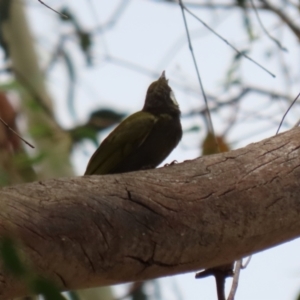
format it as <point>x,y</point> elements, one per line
<point>66,82</point>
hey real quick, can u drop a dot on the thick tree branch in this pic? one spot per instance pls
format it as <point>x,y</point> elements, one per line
<point>102,230</point>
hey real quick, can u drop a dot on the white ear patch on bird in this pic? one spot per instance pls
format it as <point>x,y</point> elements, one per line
<point>172,96</point>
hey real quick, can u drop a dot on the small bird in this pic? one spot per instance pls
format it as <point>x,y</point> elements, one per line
<point>144,139</point>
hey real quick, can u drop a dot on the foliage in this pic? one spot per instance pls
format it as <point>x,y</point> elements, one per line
<point>14,264</point>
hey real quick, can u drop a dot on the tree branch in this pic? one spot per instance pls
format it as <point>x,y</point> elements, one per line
<point>102,230</point>
<point>283,16</point>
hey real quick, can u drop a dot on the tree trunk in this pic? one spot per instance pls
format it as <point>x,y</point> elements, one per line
<point>36,102</point>
<point>102,230</point>
<point>48,137</point>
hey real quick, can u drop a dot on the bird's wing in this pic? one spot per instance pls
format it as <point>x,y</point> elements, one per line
<point>124,139</point>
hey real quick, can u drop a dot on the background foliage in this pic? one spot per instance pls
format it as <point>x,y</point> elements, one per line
<point>64,83</point>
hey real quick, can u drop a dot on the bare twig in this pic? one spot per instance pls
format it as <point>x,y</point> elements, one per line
<point>207,112</point>
<point>294,101</point>
<point>217,104</point>
<point>9,128</point>
<point>209,5</point>
<point>265,30</point>
<point>280,13</point>
<point>235,280</point>
<point>225,41</point>
<point>297,124</point>
<point>245,265</point>
<point>130,65</point>
<point>62,15</point>
<point>116,15</point>
<point>97,21</point>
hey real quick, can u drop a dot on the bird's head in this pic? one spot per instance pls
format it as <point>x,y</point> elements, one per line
<point>160,97</point>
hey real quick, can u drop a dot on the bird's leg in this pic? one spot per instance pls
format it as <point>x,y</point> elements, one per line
<point>220,273</point>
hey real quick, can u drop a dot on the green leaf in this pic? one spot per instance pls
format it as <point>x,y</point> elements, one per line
<point>65,11</point>
<point>73,295</point>
<point>22,160</point>
<point>241,2</point>
<point>194,128</point>
<point>99,120</point>
<point>47,289</point>
<point>41,131</point>
<point>10,257</point>
<point>239,55</point>
<point>84,37</point>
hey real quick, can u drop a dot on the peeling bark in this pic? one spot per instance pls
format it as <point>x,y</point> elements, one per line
<point>101,230</point>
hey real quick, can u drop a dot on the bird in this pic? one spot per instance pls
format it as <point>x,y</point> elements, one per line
<point>144,139</point>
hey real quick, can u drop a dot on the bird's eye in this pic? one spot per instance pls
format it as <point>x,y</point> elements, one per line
<point>172,96</point>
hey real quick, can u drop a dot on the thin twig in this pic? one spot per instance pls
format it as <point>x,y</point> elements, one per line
<point>210,5</point>
<point>208,116</point>
<point>297,124</point>
<point>235,280</point>
<point>265,30</point>
<point>62,15</point>
<point>97,20</point>
<point>281,14</point>
<point>245,265</point>
<point>225,41</point>
<point>114,18</point>
<point>9,128</point>
<point>130,65</point>
<point>294,101</point>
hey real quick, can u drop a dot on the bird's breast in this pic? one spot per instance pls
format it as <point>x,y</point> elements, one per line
<point>162,139</point>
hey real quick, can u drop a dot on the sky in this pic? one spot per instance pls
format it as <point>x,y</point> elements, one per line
<point>149,36</point>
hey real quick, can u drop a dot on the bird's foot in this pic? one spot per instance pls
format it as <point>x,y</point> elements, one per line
<point>174,162</point>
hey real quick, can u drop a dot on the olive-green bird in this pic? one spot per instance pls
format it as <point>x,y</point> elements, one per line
<point>143,140</point>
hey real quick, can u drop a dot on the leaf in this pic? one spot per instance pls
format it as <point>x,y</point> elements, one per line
<point>41,131</point>
<point>104,118</point>
<point>236,82</point>
<point>47,289</point>
<point>194,128</point>
<point>13,263</point>
<point>209,145</point>
<point>65,11</point>
<point>10,257</point>
<point>248,25</point>
<point>22,160</point>
<point>12,85</point>
<point>241,2</point>
<point>99,120</point>
<point>240,55</point>
<point>84,132</point>
<point>73,295</point>
<point>84,37</point>
<point>85,44</point>
<point>232,76</point>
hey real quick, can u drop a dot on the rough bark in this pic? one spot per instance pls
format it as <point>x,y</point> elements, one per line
<point>102,230</point>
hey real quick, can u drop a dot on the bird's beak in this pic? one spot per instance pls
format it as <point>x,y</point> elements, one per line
<point>163,75</point>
